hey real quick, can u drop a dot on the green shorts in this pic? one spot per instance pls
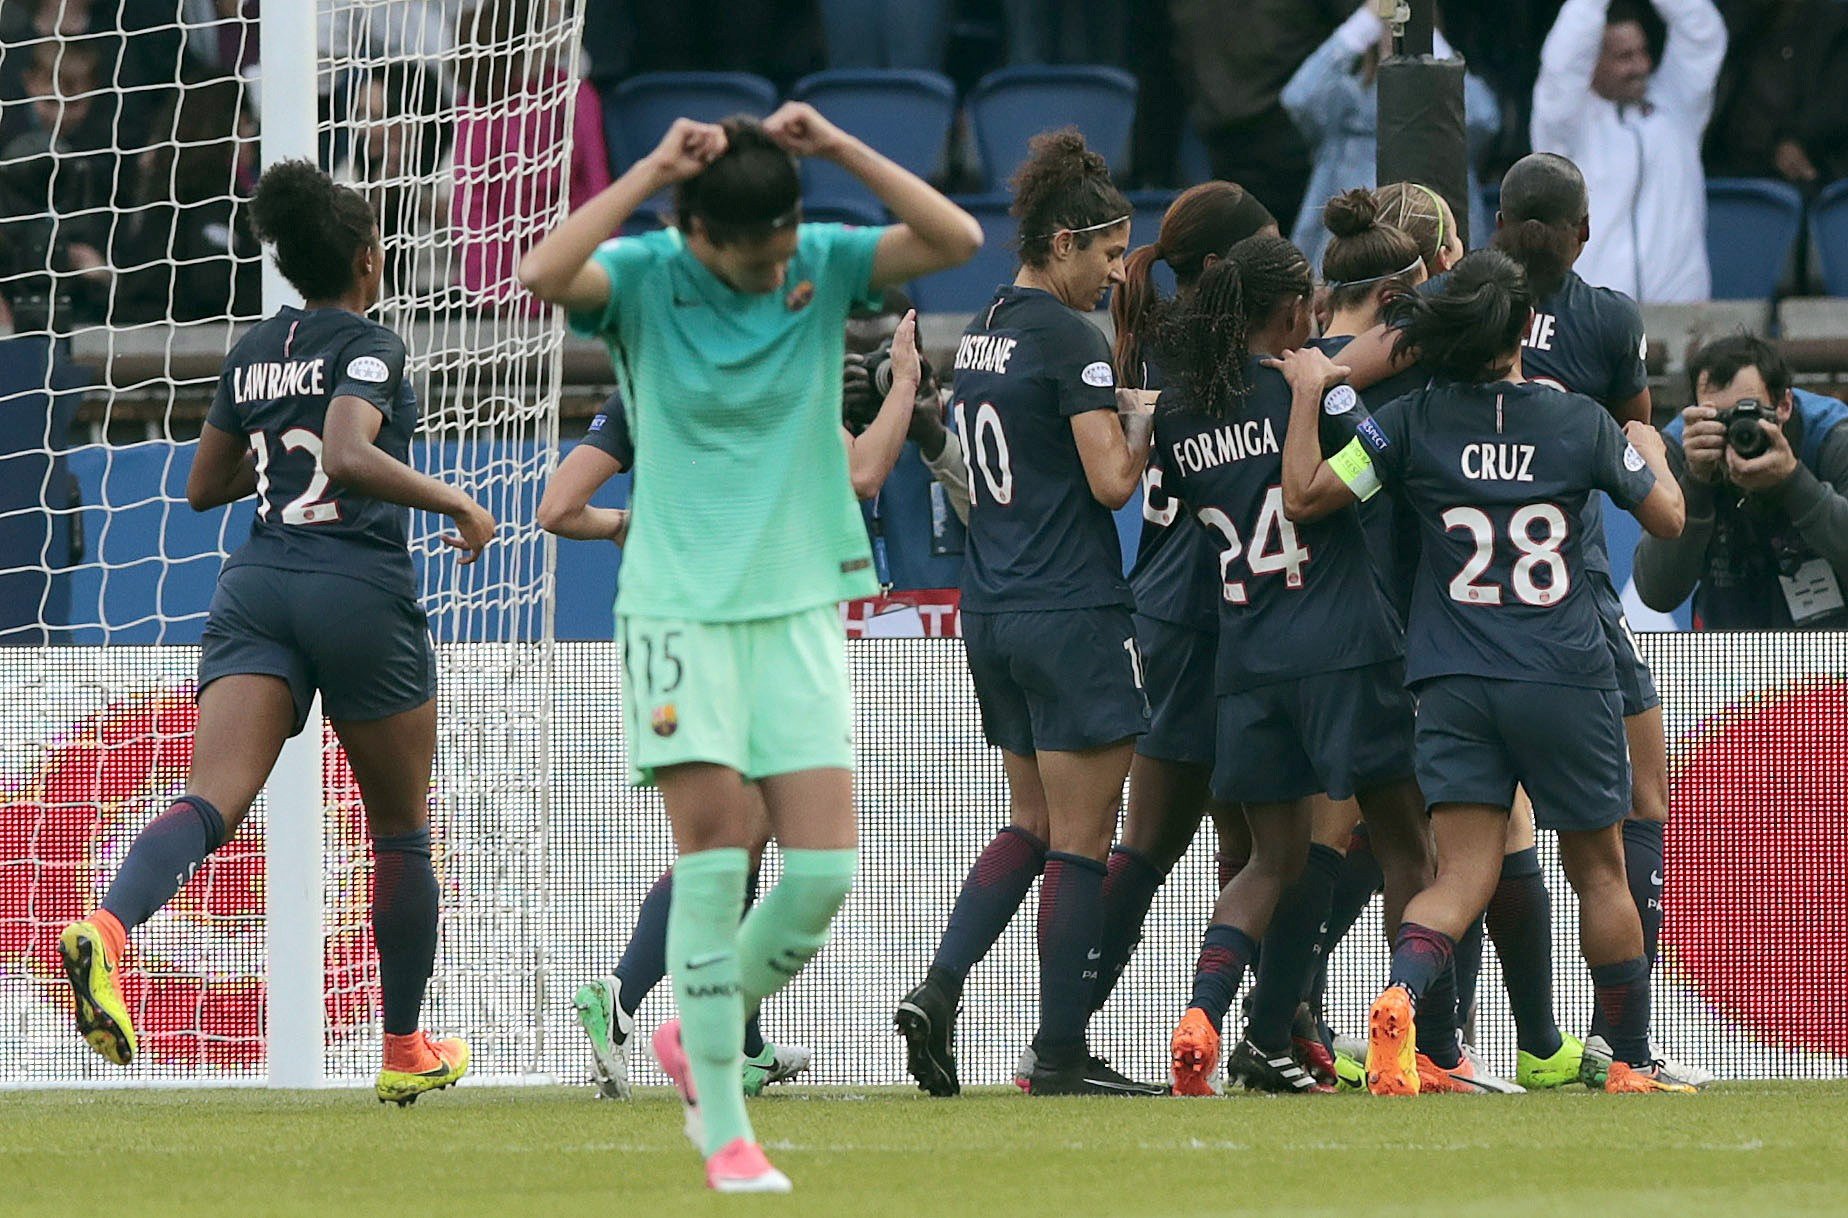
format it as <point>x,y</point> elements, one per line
<point>762,697</point>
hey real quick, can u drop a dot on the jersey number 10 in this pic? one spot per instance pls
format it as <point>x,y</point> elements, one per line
<point>996,468</point>
<point>309,507</point>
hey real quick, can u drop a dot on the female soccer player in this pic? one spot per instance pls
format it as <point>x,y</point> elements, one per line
<point>1046,613</point>
<point>727,336</point>
<point>606,1009</point>
<point>1514,678</point>
<point>314,415</point>
<point>1309,695</point>
<point>1175,582</point>
<point>1590,340</point>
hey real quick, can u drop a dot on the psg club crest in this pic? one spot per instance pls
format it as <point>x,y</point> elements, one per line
<point>666,720</point>
<point>800,296</point>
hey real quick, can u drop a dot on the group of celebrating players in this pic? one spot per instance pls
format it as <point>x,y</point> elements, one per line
<point>1370,610</point>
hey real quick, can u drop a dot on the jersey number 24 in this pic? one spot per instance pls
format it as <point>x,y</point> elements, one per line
<point>1274,547</point>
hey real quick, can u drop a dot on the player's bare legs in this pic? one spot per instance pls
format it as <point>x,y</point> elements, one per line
<point>243,721</point>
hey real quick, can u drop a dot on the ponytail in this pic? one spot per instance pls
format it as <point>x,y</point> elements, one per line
<point>1545,252</point>
<point>1471,331</point>
<point>1132,309</point>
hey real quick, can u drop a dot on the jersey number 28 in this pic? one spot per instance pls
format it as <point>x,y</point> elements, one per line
<point>1536,554</point>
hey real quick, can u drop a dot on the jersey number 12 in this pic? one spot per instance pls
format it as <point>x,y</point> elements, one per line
<point>309,507</point>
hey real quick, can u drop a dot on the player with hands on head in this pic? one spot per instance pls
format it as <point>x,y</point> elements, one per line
<point>314,414</point>
<point>1515,680</point>
<point>726,333</point>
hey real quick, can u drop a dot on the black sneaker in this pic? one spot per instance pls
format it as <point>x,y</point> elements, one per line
<point>1278,1073</point>
<point>1087,1075</point>
<point>926,1018</point>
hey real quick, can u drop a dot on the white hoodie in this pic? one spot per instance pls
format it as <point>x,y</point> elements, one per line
<point>1641,162</point>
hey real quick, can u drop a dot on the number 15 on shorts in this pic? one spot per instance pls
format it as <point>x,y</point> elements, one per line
<point>652,663</point>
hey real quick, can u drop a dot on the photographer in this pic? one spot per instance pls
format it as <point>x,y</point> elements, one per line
<point>866,377</point>
<point>1764,469</point>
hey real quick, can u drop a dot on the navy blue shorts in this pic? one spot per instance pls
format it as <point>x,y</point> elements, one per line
<point>366,649</point>
<point>1635,684</point>
<point>1178,663</point>
<point>1335,732</point>
<point>1479,737</point>
<point>1058,679</point>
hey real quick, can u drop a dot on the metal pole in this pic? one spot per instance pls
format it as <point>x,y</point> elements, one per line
<point>294,885</point>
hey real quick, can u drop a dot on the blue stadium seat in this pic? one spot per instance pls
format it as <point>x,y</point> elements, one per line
<point>638,112</point>
<point>1194,161</point>
<point>1752,226</point>
<point>968,287</point>
<point>1829,234</point>
<point>1011,106</point>
<point>905,114</point>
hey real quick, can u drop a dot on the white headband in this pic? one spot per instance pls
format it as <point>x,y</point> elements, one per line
<point>1089,228</point>
<point>1354,283</point>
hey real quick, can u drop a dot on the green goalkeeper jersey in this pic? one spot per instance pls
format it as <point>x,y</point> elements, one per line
<point>742,505</point>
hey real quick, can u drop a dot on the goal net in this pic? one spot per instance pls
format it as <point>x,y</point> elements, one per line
<point>128,152</point>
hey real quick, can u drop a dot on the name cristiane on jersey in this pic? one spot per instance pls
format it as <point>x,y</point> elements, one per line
<point>289,379</point>
<point>984,353</point>
<point>1233,442</point>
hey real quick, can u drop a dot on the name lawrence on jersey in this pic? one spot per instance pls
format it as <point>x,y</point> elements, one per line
<point>268,381</point>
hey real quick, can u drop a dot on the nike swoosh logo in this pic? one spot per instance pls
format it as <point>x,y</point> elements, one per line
<point>1655,877</point>
<point>1093,955</point>
<point>701,962</point>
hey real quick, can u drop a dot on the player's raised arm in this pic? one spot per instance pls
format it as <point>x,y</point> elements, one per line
<point>1312,488</point>
<point>1663,512</point>
<point>560,270</point>
<point>872,454</point>
<point>932,233</point>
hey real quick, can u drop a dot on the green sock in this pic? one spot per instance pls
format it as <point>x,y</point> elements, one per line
<point>702,956</point>
<point>790,924</point>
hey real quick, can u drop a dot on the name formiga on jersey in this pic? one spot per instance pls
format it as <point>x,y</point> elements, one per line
<point>1233,442</point>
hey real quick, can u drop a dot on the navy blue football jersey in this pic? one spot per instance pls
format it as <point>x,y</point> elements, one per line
<point>1295,599</point>
<point>274,390</point>
<point>1588,340</point>
<point>1176,575</point>
<point>1392,532</point>
<point>1038,539</point>
<point>609,433</point>
<point>1498,476</point>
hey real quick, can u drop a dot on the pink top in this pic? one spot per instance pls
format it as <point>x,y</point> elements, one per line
<point>504,189</point>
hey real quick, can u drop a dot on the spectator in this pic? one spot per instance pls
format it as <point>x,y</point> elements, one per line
<point>57,184</point>
<point>398,159</point>
<point>1635,129</point>
<point>1782,108</point>
<point>1234,60</point>
<point>510,119</point>
<point>886,33</point>
<point>183,249</point>
<point>1334,101</point>
<point>1766,543</point>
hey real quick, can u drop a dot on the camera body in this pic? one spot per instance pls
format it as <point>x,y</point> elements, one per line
<point>867,379</point>
<point>1743,433</point>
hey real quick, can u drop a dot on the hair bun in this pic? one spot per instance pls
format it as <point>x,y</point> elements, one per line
<point>1351,213</point>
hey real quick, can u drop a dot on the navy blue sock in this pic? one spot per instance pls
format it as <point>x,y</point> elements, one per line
<point>163,857</point>
<point>1469,970</point>
<point>990,896</point>
<point>1130,884</point>
<point>753,1033</point>
<point>403,924</point>
<point>1642,866</point>
<point>1224,953</point>
<point>1623,999</point>
<point>1360,878</point>
<point>644,960</point>
<point>1288,956</point>
<point>1071,924</point>
<point>1424,962</point>
<point>1520,924</point>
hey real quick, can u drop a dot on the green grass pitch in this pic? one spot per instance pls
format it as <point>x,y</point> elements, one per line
<point>1747,1148</point>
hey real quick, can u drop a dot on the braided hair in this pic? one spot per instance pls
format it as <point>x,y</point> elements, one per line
<point>1206,338</point>
<point>1472,329</point>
